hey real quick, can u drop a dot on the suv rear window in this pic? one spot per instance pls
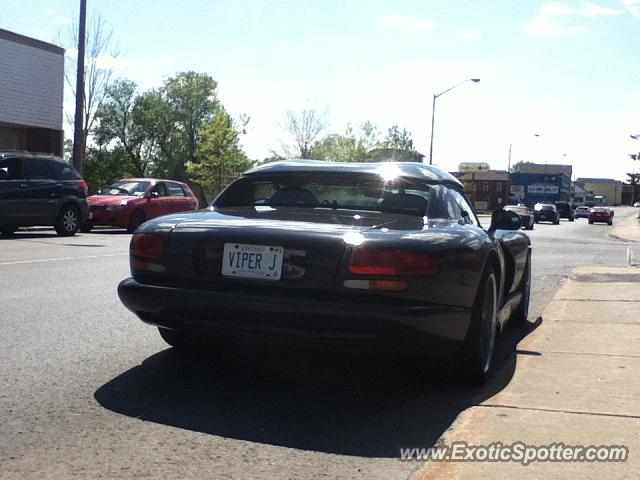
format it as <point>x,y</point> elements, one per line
<point>64,171</point>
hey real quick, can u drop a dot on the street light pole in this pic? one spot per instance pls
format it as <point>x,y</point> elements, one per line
<point>433,111</point>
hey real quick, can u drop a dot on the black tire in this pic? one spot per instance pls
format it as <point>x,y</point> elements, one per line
<point>86,227</point>
<point>530,227</point>
<point>590,222</point>
<point>477,353</point>
<point>7,231</point>
<point>173,338</point>
<point>519,316</point>
<point>68,221</point>
<point>609,223</point>
<point>137,219</point>
<point>571,219</point>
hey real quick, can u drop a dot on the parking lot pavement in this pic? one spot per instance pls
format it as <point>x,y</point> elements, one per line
<point>89,391</point>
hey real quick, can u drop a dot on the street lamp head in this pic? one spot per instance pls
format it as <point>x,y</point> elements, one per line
<point>475,80</point>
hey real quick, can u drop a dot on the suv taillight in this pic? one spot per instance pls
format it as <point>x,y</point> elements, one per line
<point>379,262</point>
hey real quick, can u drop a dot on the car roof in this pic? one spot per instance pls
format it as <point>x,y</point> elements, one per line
<point>23,153</point>
<point>152,180</point>
<point>384,169</point>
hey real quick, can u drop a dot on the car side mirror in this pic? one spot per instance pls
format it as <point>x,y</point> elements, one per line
<point>505,220</point>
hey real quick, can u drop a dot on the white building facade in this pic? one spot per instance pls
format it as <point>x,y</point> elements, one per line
<point>31,94</point>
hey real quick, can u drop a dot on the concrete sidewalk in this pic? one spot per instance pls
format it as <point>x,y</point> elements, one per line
<point>627,228</point>
<point>576,382</point>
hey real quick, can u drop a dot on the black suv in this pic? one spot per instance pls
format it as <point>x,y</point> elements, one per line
<point>40,189</point>
<point>565,210</point>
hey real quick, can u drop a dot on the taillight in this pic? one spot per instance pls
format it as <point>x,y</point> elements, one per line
<point>380,262</point>
<point>147,245</point>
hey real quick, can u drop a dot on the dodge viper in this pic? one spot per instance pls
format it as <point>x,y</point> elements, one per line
<point>386,256</point>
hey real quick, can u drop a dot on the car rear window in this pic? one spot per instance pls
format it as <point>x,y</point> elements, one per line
<point>350,192</point>
<point>175,190</point>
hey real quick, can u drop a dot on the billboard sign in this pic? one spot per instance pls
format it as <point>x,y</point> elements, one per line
<point>473,167</point>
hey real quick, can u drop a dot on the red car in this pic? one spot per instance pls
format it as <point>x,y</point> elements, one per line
<point>132,201</point>
<point>601,215</point>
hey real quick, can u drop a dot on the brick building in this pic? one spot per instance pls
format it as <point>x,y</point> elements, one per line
<point>488,190</point>
<point>31,94</point>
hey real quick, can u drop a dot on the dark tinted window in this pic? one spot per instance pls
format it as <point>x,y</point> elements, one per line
<point>175,190</point>
<point>161,189</point>
<point>39,169</point>
<point>330,191</point>
<point>11,169</point>
<point>64,171</point>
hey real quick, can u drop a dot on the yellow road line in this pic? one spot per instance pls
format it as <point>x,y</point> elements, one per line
<point>58,259</point>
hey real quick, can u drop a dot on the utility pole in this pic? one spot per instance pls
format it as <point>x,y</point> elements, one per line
<point>78,127</point>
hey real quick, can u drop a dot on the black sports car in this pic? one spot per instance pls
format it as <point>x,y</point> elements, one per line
<point>386,256</point>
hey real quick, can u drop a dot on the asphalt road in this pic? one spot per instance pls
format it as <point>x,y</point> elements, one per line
<point>88,391</point>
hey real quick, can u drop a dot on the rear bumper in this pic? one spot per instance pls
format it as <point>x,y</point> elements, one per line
<point>600,219</point>
<point>411,329</point>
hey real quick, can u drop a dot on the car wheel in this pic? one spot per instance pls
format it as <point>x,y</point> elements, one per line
<point>520,315</point>
<point>174,338</point>
<point>571,219</point>
<point>67,224</point>
<point>590,222</point>
<point>609,223</point>
<point>530,227</point>
<point>86,227</point>
<point>137,219</point>
<point>478,349</point>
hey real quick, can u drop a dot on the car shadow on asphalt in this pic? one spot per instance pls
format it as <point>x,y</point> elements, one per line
<point>333,403</point>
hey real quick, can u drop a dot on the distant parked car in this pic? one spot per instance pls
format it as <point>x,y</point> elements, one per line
<point>526,216</point>
<point>637,204</point>
<point>582,212</point>
<point>601,215</point>
<point>565,210</point>
<point>546,212</point>
<point>132,201</point>
<point>40,190</point>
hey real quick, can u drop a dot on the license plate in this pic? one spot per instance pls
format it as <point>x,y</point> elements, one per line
<point>252,261</point>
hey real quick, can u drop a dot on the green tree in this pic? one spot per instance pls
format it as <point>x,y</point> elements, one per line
<point>399,139</point>
<point>351,146</point>
<point>193,101</point>
<point>221,158</point>
<point>119,121</point>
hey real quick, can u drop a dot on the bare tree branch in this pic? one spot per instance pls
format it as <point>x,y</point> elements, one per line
<point>100,52</point>
<point>304,127</point>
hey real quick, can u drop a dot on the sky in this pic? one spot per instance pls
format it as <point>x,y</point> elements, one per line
<point>560,80</point>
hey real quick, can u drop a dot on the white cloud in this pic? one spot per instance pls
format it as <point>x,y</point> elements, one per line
<point>405,23</point>
<point>60,19</point>
<point>547,23</point>
<point>543,26</point>
<point>555,9</point>
<point>593,10</point>
<point>471,35</point>
<point>633,7</point>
